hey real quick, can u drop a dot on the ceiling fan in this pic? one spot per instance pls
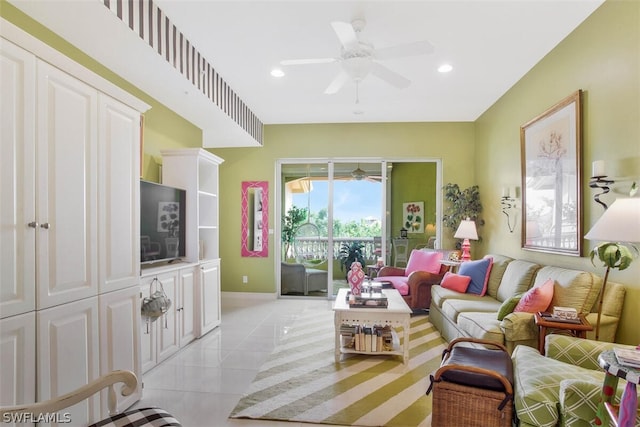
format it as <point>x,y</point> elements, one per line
<point>360,58</point>
<point>359,174</point>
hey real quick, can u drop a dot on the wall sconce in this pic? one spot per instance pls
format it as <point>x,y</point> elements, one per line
<point>508,203</point>
<point>599,180</point>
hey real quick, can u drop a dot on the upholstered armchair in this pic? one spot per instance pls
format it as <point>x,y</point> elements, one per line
<point>415,280</point>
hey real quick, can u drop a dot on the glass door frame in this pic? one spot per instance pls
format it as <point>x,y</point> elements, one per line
<point>385,209</point>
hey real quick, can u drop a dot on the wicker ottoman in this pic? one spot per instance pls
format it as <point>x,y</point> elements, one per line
<point>473,386</point>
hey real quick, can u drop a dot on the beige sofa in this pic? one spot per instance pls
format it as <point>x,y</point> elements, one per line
<point>457,314</point>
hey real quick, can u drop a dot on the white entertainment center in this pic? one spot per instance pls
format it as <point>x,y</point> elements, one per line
<point>192,283</point>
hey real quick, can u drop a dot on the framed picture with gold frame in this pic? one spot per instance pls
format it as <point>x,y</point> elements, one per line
<point>551,146</point>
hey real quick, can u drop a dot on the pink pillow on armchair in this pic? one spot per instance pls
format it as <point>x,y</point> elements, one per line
<point>423,261</point>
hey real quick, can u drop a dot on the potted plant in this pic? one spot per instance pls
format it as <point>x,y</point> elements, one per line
<point>350,253</point>
<point>290,223</point>
<point>463,204</point>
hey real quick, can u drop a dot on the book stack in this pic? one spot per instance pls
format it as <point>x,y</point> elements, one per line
<point>368,339</point>
<point>628,357</point>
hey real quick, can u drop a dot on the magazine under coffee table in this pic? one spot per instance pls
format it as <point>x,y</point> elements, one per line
<point>396,314</point>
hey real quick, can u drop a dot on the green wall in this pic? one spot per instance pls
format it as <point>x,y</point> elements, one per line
<point>601,57</point>
<point>413,182</point>
<point>451,142</point>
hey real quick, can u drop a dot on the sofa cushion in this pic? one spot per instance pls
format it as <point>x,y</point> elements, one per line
<point>498,267</point>
<point>453,307</point>
<point>517,279</point>
<point>537,385</point>
<point>479,272</point>
<point>439,295</point>
<point>424,261</point>
<point>507,306</point>
<point>398,282</point>
<point>536,299</point>
<point>574,288</point>
<point>455,282</point>
<point>481,325</point>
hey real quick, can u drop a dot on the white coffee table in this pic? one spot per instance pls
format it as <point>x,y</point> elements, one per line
<point>397,314</point>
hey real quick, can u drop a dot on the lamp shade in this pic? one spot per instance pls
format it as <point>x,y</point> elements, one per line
<point>619,223</point>
<point>466,230</point>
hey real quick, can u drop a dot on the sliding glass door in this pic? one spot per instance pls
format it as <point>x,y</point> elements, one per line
<point>328,208</point>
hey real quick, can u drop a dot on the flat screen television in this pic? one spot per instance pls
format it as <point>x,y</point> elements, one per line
<point>162,222</point>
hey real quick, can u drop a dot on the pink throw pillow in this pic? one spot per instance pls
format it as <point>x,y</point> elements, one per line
<point>455,282</point>
<point>536,299</point>
<point>423,261</point>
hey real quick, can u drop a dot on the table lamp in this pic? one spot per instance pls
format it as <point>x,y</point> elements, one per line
<point>466,230</point>
<point>619,224</point>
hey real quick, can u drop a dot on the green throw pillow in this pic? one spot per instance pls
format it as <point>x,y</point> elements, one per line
<point>508,305</point>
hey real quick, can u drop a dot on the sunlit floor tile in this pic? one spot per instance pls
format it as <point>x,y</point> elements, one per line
<point>203,382</point>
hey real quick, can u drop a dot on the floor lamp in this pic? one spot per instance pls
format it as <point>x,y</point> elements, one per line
<point>619,225</point>
<point>466,230</point>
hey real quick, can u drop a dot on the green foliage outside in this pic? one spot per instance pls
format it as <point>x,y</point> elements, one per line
<point>341,228</point>
<point>296,217</point>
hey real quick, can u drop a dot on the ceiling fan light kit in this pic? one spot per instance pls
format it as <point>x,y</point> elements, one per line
<point>359,58</point>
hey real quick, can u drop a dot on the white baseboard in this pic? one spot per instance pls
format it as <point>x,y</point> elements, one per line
<point>232,296</point>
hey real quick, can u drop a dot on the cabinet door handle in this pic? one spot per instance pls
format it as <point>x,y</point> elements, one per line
<point>46,226</point>
<point>33,224</point>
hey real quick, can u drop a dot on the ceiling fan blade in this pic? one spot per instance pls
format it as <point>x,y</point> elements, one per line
<point>389,76</point>
<point>337,83</point>
<point>409,49</point>
<point>308,61</point>
<point>346,34</point>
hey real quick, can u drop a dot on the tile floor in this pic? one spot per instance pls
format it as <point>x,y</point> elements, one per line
<point>204,381</point>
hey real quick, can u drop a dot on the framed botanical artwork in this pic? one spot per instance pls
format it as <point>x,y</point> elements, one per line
<point>551,146</point>
<point>413,217</point>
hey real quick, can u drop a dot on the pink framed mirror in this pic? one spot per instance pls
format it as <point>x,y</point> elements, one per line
<point>255,219</point>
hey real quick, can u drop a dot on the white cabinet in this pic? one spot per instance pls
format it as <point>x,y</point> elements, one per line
<point>69,239</point>
<point>119,194</point>
<point>209,296</point>
<point>176,328</point>
<point>17,185</point>
<point>67,351</point>
<point>66,189</point>
<point>196,170</point>
<point>167,325</point>
<point>120,339</point>
<point>18,349</point>
<point>185,306</point>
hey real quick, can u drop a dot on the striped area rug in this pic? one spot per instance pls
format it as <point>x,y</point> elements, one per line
<point>301,382</point>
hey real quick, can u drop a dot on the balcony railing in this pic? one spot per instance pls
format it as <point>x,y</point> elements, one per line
<point>314,248</point>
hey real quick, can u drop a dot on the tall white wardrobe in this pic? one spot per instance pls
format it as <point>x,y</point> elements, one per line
<point>69,246</point>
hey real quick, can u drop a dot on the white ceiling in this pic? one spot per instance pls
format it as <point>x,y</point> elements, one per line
<point>491,45</point>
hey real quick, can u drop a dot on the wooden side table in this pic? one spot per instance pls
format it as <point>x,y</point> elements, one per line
<point>578,330</point>
<point>454,265</point>
<point>625,415</point>
<point>373,270</point>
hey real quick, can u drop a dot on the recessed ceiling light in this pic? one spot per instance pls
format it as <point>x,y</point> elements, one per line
<point>277,72</point>
<point>445,68</point>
